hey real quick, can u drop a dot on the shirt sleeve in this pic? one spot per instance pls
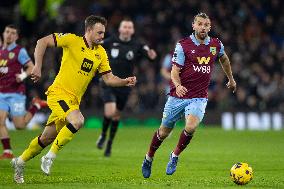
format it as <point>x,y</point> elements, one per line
<point>222,51</point>
<point>178,56</point>
<point>104,66</point>
<point>143,49</point>
<point>63,39</point>
<point>23,56</point>
<point>167,63</point>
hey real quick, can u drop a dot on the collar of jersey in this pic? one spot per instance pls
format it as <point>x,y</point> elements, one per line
<point>11,46</point>
<point>86,43</point>
<point>196,42</point>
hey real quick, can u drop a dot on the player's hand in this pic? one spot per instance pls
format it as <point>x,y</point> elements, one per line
<point>36,74</point>
<point>21,77</point>
<point>181,91</point>
<point>232,85</point>
<point>152,54</point>
<point>18,79</point>
<point>131,81</point>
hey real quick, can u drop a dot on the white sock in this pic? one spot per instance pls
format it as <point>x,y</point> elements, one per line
<point>173,155</point>
<point>148,158</point>
<point>20,161</point>
<point>37,105</point>
<point>51,155</point>
<point>9,151</point>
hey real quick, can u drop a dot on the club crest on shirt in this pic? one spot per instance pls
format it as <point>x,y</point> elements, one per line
<point>129,55</point>
<point>11,55</point>
<point>213,50</point>
<point>114,53</point>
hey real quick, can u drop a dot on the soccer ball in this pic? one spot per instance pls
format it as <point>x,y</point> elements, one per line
<point>241,173</point>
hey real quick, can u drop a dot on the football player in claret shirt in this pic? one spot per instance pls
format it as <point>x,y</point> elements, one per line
<point>193,62</point>
<point>15,67</point>
<point>124,52</point>
<point>83,56</point>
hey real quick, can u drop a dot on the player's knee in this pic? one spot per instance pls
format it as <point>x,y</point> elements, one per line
<point>190,128</point>
<point>78,123</point>
<point>2,121</point>
<point>164,133</point>
<point>116,118</point>
<point>46,140</point>
<point>19,125</point>
<point>110,114</point>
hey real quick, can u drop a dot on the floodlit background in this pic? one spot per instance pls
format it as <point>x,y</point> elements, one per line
<point>252,32</point>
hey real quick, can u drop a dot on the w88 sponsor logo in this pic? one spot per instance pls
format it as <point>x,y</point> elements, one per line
<point>202,69</point>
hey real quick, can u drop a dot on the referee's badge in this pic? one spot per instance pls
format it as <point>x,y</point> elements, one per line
<point>130,55</point>
<point>114,53</point>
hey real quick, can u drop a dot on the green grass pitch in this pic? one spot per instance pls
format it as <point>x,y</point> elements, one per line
<point>205,164</point>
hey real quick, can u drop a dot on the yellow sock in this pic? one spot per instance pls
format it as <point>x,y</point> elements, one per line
<point>64,136</point>
<point>33,150</point>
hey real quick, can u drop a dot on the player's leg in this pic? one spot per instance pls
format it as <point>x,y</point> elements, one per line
<point>194,113</point>
<point>35,147</point>
<point>8,103</point>
<point>157,140</point>
<point>21,117</point>
<point>4,136</point>
<point>173,111</point>
<point>68,120</point>
<point>113,129</point>
<point>109,110</point>
<point>121,100</point>
<point>75,121</point>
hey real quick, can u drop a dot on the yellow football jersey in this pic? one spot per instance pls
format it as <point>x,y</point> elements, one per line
<point>79,64</point>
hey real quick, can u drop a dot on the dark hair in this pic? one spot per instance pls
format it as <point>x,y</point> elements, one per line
<point>201,15</point>
<point>126,19</point>
<point>13,27</point>
<point>92,20</point>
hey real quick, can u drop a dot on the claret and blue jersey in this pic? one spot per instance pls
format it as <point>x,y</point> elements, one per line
<point>196,62</point>
<point>12,93</point>
<point>12,60</point>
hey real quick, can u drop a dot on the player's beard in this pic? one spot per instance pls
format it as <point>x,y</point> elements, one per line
<point>8,40</point>
<point>201,35</point>
<point>98,42</point>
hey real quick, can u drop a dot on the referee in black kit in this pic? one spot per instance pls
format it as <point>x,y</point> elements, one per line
<point>123,52</point>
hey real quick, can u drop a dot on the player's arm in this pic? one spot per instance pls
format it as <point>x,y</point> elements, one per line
<point>226,66</point>
<point>27,64</point>
<point>149,53</point>
<point>114,81</point>
<point>110,79</point>
<point>180,90</point>
<point>177,63</point>
<point>166,65</point>
<point>42,44</point>
<point>165,73</point>
<point>25,73</point>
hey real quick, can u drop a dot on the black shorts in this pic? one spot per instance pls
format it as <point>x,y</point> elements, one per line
<point>117,95</point>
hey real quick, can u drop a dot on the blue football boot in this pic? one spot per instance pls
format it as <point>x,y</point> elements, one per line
<point>146,168</point>
<point>172,165</point>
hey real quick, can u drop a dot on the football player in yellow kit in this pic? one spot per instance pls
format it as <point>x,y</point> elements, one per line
<point>83,56</point>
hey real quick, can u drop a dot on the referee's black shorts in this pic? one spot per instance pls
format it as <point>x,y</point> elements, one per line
<point>117,95</point>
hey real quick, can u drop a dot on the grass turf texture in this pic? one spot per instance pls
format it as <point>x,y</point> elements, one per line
<point>205,164</point>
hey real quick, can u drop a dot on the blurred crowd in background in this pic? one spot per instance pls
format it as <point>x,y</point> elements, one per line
<point>252,32</point>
